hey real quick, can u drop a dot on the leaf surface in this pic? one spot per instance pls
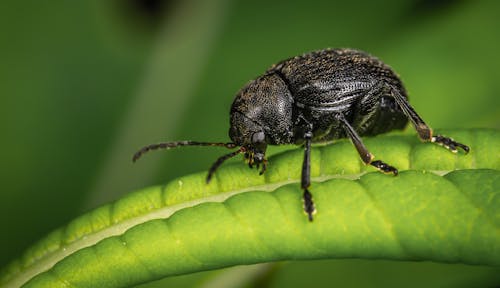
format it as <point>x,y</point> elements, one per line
<point>416,216</point>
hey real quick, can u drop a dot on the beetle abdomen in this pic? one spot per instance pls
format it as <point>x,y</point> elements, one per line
<point>351,82</point>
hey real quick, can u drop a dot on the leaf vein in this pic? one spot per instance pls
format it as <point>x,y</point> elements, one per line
<point>388,223</point>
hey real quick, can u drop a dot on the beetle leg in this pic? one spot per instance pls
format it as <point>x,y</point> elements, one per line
<point>264,167</point>
<point>221,160</point>
<point>449,143</point>
<point>423,130</point>
<point>363,152</point>
<point>306,177</point>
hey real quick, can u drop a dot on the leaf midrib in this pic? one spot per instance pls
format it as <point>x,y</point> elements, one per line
<point>50,259</point>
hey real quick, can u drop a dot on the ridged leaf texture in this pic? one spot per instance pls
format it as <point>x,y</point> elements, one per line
<point>442,207</point>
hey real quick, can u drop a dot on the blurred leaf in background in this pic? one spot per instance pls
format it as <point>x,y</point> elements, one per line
<point>84,84</point>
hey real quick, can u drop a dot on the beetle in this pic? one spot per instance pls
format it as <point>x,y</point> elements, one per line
<point>316,97</point>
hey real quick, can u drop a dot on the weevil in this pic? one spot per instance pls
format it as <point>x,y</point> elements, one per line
<point>317,97</point>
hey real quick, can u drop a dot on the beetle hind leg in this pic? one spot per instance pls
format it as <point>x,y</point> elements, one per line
<point>423,130</point>
<point>449,143</point>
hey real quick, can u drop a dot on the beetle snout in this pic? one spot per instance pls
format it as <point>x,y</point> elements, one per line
<point>258,157</point>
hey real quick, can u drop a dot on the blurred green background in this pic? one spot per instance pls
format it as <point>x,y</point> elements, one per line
<point>83,84</point>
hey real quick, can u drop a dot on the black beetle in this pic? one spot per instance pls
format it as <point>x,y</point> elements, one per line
<point>316,97</point>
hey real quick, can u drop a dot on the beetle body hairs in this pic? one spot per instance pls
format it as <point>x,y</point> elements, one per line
<point>316,97</point>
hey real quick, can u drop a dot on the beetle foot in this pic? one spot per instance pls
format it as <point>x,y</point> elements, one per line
<point>449,143</point>
<point>384,167</point>
<point>309,205</point>
<point>264,167</point>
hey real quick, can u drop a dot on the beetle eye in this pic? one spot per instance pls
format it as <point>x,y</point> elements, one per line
<point>258,137</point>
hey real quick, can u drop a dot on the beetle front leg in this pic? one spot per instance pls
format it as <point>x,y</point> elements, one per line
<point>423,130</point>
<point>363,152</point>
<point>306,177</point>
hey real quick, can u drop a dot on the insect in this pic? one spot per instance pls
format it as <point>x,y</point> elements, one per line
<point>316,97</point>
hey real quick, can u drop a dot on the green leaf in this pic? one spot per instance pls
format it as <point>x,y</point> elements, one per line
<point>415,216</point>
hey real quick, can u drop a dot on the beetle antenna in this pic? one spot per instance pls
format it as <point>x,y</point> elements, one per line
<point>221,160</point>
<point>169,145</point>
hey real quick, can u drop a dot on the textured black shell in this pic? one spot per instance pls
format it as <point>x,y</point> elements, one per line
<point>315,87</point>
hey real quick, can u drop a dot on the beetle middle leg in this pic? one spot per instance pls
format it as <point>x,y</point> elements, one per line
<point>423,130</point>
<point>363,152</point>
